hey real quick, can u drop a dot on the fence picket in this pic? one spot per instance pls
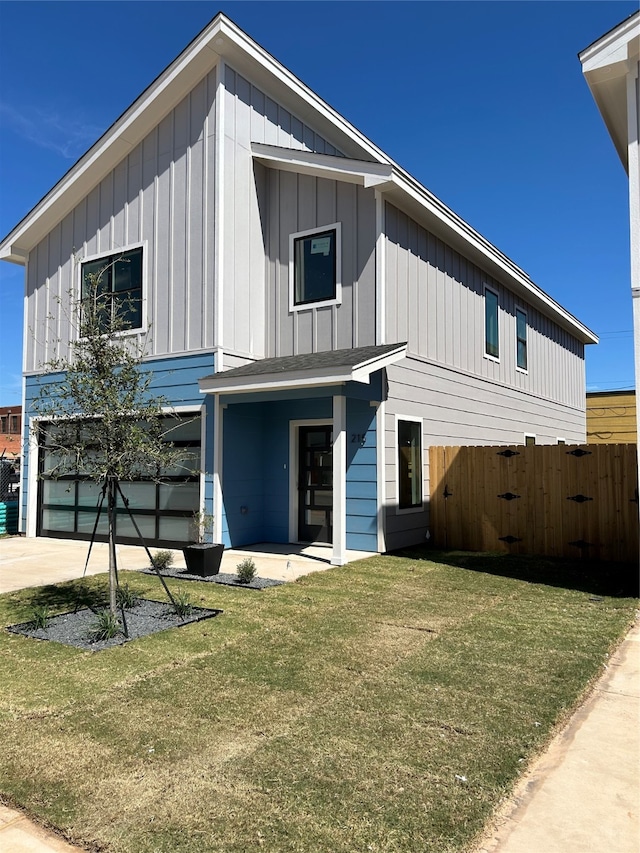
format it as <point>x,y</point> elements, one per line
<point>547,517</point>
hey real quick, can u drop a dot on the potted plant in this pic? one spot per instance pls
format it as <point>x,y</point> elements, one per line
<point>203,558</point>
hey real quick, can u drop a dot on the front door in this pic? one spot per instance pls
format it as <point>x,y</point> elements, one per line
<point>315,484</point>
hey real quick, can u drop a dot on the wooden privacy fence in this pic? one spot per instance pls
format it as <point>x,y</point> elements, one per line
<point>553,500</point>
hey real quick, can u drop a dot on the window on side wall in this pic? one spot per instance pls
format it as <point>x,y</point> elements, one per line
<point>491,336</point>
<point>118,280</point>
<point>521,339</point>
<point>409,464</point>
<point>314,267</point>
<point>529,439</point>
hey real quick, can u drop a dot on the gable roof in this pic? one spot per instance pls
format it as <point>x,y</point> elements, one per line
<point>605,65</point>
<point>222,39</point>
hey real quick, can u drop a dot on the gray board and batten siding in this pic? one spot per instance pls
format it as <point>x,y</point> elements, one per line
<point>434,300</point>
<point>262,207</point>
<point>161,195</point>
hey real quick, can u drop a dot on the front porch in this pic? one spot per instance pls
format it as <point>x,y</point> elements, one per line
<point>298,452</point>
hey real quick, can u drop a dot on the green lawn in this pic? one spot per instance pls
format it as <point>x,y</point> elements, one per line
<point>332,714</point>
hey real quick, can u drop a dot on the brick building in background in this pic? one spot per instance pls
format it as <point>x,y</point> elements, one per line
<point>10,432</point>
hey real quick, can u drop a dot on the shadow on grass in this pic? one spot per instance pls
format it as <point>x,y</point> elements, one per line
<point>617,580</point>
<point>72,595</point>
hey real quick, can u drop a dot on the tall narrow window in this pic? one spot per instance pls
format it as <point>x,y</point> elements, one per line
<point>118,280</point>
<point>521,339</point>
<point>409,464</point>
<point>491,341</point>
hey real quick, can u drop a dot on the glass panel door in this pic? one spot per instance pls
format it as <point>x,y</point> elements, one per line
<point>315,484</point>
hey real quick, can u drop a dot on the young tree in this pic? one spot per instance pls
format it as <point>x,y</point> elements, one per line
<point>103,421</point>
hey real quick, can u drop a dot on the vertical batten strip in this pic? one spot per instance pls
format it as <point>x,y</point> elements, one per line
<point>171,234</point>
<point>380,270</point>
<point>218,260</point>
<point>186,284</point>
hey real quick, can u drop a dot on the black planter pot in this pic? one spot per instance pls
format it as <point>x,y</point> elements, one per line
<point>203,559</point>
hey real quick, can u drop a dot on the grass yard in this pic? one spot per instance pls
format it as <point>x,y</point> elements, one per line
<point>335,714</point>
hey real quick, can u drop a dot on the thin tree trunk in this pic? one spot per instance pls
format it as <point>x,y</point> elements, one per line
<point>113,571</point>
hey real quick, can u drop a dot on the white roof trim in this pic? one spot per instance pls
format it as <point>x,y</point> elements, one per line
<point>615,46</point>
<point>322,165</point>
<point>606,64</point>
<point>304,378</point>
<point>385,177</point>
<point>223,38</point>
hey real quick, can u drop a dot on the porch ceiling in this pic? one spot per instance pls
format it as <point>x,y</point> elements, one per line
<point>305,371</point>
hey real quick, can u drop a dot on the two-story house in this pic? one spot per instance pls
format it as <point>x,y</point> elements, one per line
<point>318,316</point>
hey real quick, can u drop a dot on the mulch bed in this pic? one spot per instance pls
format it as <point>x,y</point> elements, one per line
<point>146,617</point>
<point>221,577</point>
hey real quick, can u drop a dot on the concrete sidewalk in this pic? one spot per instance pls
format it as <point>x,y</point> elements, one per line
<point>581,796</point>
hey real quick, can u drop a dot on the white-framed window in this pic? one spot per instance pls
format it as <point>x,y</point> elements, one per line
<point>491,324</point>
<point>119,276</point>
<point>529,439</point>
<point>315,267</point>
<point>561,441</point>
<point>521,340</point>
<point>409,469</point>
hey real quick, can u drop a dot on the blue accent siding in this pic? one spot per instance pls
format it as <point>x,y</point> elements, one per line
<point>256,465</point>
<point>175,379</point>
<point>255,471</point>
<point>361,486</point>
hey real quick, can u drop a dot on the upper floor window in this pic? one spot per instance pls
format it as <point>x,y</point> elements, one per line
<point>314,267</point>
<point>118,288</point>
<point>409,464</point>
<point>491,337</point>
<point>521,339</point>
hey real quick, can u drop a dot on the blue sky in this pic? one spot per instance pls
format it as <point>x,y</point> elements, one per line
<point>483,102</point>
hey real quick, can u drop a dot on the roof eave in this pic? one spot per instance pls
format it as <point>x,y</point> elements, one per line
<point>322,377</point>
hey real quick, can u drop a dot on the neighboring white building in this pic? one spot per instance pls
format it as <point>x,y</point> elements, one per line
<point>319,315</point>
<point>611,68</point>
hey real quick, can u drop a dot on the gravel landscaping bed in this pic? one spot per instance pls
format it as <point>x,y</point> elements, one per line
<point>228,579</point>
<point>75,628</point>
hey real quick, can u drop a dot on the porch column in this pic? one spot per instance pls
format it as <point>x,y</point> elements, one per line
<point>217,468</point>
<point>339,479</point>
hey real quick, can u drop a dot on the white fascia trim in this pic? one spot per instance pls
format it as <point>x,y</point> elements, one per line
<point>440,211</point>
<point>322,165</point>
<point>275,385</point>
<point>275,382</point>
<point>612,47</point>
<point>117,141</point>
<point>186,70</point>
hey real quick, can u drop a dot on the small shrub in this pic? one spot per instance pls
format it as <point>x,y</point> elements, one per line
<point>41,616</point>
<point>105,627</point>
<point>246,570</point>
<point>125,597</point>
<point>183,604</point>
<point>162,560</point>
